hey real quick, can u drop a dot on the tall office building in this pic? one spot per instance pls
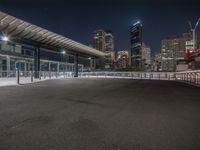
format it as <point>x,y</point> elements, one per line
<point>146,57</point>
<point>109,42</point>
<point>109,49</point>
<point>99,40</point>
<point>172,51</point>
<point>104,41</point>
<point>136,45</point>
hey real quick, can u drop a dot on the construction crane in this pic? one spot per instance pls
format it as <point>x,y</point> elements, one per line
<point>193,30</point>
<point>191,50</point>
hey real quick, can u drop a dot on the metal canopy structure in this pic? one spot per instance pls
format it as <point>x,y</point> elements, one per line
<point>17,28</point>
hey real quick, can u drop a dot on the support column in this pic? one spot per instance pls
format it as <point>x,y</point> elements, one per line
<point>82,68</point>
<point>49,69</point>
<point>92,64</point>
<point>76,65</point>
<point>25,69</point>
<point>58,69</point>
<point>8,65</point>
<point>37,62</point>
<point>49,66</point>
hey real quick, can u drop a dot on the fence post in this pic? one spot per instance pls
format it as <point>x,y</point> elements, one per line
<point>195,77</point>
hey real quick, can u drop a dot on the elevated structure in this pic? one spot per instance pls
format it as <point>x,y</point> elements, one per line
<point>20,30</point>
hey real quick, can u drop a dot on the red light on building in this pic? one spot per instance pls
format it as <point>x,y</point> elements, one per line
<point>189,52</point>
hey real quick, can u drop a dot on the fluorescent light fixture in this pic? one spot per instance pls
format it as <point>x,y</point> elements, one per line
<point>63,52</point>
<point>5,38</point>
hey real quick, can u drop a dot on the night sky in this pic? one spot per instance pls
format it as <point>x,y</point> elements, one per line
<point>77,19</point>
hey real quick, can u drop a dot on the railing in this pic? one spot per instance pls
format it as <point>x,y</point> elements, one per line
<point>22,77</point>
<point>130,75</point>
<point>190,77</point>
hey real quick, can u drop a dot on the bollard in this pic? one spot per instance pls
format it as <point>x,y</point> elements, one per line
<point>17,75</point>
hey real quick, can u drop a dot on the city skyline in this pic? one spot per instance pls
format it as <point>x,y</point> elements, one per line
<point>78,20</point>
<point>63,85</point>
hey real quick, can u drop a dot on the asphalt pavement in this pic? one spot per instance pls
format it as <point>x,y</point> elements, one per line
<point>100,114</point>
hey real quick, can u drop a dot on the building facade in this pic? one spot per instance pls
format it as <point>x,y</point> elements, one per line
<point>136,45</point>
<point>156,62</point>
<point>109,50</point>
<point>104,41</point>
<point>99,40</point>
<point>146,57</point>
<point>21,56</point>
<point>123,59</point>
<point>173,51</point>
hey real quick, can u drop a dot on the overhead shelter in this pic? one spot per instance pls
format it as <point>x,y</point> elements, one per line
<point>20,29</point>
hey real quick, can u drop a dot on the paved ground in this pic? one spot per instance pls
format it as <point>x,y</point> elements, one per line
<point>100,114</point>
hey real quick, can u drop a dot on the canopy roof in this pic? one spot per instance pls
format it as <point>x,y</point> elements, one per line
<point>14,27</point>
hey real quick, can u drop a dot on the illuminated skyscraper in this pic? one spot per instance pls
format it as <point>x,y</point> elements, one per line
<point>99,40</point>
<point>104,41</point>
<point>146,57</point>
<point>136,45</point>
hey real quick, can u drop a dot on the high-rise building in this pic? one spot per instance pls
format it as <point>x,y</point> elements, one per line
<point>136,45</point>
<point>122,58</point>
<point>109,50</point>
<point>172,51</point>
<point>146,57</point>
<point>99,44</point>
<point>109,41</point>
<point>99,40</point>
<point>104,41</point>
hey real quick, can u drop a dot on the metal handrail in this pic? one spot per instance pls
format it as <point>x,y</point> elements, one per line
<point>131,75</point>
<point>190,77</point>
